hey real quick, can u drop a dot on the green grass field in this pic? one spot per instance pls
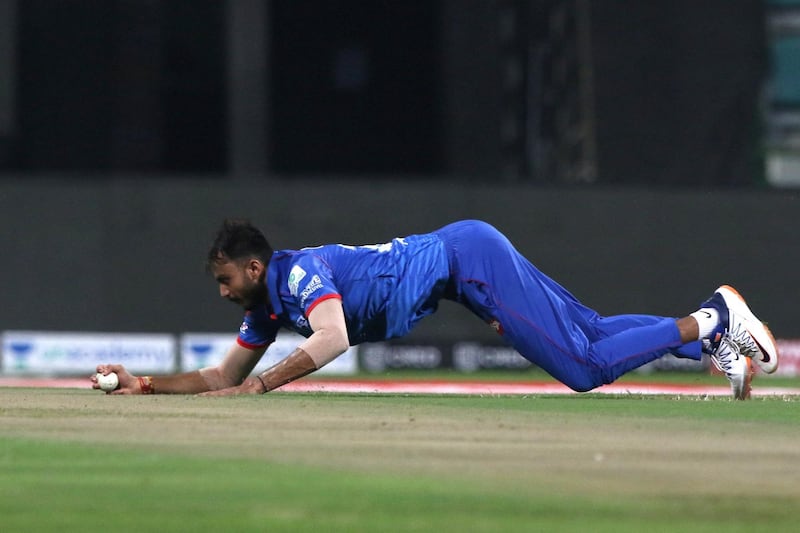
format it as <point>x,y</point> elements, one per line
<point>76,460</point>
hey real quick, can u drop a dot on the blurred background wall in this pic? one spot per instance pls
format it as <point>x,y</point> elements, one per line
<point>641,153</point>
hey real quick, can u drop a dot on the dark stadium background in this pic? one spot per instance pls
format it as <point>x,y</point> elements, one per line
<point>639,152</point>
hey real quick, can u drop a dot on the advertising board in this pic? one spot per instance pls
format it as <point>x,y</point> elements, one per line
<point>64,353</point>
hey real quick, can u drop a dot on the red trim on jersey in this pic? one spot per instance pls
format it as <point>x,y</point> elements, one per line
<point>249,346</point>
<point>322,299</point>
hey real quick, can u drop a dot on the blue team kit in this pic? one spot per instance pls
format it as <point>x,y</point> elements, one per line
<point>386,289</point>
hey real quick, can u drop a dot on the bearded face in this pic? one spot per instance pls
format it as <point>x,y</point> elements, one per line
<point>241,282</point>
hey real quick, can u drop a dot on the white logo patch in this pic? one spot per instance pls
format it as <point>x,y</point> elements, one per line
<point>296,275</point>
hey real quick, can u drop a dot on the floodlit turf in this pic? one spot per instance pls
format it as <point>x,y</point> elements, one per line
<point>77,460</point>
<point>682,378</point>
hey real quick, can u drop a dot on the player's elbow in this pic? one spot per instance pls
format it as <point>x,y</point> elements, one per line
<point>216,379</point>
<point>338,342</point>
<point>325,345</point>
<point>334,337</point>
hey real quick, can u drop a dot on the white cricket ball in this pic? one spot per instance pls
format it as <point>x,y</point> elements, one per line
<point>109,382</point>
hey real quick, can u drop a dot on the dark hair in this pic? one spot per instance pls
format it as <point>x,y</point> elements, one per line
<point>238,239</point>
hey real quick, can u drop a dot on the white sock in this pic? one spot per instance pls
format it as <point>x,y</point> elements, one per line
<point>707,319</point>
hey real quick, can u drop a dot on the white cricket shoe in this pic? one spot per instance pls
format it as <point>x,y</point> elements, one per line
<point>738,368</point>
<point>740,325</point>
<point>745,328</point>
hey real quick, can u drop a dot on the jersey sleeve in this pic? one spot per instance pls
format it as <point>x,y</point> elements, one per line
<point>310,282</point>
<point>258,329</point>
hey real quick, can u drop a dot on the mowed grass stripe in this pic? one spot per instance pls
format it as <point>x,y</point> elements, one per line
<point>61,488</point>
<point>293,462</point>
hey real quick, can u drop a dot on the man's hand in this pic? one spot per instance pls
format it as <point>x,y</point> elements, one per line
<point>128,383</point>
<point>249,386</point>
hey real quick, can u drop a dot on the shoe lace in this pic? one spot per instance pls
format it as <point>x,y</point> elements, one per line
<point>726,355</point>
<point>742,338</point>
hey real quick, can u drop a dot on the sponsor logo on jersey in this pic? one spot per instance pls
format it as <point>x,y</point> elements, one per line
<point>243,328</point>
<point>296,275</point>
<point>314,285</point>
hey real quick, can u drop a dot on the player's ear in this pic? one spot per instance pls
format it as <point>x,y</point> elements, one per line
<point>255,269</point>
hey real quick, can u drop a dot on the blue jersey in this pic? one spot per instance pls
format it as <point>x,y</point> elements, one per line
<point>385,289</point>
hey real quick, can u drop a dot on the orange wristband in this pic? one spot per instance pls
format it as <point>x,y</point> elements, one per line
<point>146,384</point>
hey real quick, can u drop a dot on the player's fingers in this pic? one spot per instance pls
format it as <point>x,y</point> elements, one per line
<point>93,380</point>
<point>122,390</point>
<point>106,369</point>
<point>119,369</point>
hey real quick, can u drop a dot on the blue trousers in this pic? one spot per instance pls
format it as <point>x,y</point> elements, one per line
<point>544,322</point>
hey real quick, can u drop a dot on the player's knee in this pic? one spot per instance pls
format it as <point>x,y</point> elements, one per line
<point>581,378</point>
<point>586,377</point>
<point>582,385</point>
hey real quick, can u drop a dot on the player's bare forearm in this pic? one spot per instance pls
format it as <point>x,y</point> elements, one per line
<point>204,380</point>
<point>328,341</point>
<point>229,373</point>
<point>187,383</point>
<point>295,366</point>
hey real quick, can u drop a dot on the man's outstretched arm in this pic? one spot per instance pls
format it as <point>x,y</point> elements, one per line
<point>237,364</point>
<point>328,341</point>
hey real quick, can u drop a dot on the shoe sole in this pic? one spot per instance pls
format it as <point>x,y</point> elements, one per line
<point>744,394</point>
<point>768,362</point>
